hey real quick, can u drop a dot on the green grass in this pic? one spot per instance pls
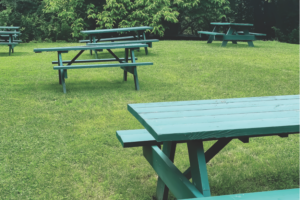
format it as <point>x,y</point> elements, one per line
<point>63,146</point>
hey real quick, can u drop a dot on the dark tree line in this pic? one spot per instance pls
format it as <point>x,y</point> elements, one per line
<point>53,20</point>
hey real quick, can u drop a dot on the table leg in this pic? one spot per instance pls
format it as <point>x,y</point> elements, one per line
<point>91,41</point>
<point>162,190</point>
<point>246,32</point>
<point>126,60</point>
<point>211,37</point>
<point>198,167</point>
<point>146,48</point>
<point>94,41</point>
<point>135,75</point>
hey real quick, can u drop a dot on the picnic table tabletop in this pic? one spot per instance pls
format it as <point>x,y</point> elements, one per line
<point>221,118</point>
<point>90,47</point>
<point>230,24</point>
<point>10,27</point>
<point>8,32</point>
<point>141,28</point>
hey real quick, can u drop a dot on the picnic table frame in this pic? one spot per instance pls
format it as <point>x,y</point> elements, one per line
<point>236,32</point>
<point>123,62</point>
<point>7,38</point>
<point>194,122</point>
<point>139,34</point>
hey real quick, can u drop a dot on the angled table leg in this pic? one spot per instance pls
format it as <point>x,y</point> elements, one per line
<point>91,41</point>
<point>211,37</point>
<point>135,75</point>
<point>198,167</point>
<point>162,190</point>
<point>144,38</point>
<point>126,60</point>
<point>229,32</point>
<point>62,73</point>
<point>94,41</point>
<point>246,32</point>
<point>178,184</point>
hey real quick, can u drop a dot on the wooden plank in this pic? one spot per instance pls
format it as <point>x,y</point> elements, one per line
<point>136,138</point>
<point>117,30</point>
<point>289,194</point>
<point>103,65</point>
<point>178,184</point>
<point>124,42</point>
<point>241,105</point>
<point>215,101</point>
<point>91,47</point>
<point>238,37</point>
<point>230,24</point>
<point>210,33</point>
<point>91,60</point>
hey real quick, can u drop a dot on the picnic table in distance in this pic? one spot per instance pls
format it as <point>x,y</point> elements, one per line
<point>8,38</point>
<point>138,35</point>
<point>194,122</point>
<point>123,62</point>
<point>236,32</point>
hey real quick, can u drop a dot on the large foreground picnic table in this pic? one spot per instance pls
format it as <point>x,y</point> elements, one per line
<point>194,122</point>
<point>8,38</point>
<point>138,34</point>
<point>236,32</point>
<point>123,62</point>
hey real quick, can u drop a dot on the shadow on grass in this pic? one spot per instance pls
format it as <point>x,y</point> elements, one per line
<point>15,54</point>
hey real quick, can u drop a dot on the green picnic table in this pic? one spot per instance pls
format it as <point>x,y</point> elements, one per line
<point>139,34</point>
<point>123,63</point>
<point>194,122</point>
<point>236,32</point>
<point>7,38</point>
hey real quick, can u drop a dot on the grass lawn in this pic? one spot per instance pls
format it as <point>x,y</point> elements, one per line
<point>64,146</point>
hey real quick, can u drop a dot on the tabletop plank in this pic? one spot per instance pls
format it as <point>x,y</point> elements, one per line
<point>230,24</point>
<point>141,28</point>
<point>8,32</point>
<point>10,27</point>
<point>91,47</point>
<point>213,119</point>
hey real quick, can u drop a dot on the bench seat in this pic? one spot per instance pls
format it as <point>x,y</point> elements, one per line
<point>256,34</point>
<point>210,33</point>
<point>289,194</point>
<point>149,42</point>
<point>92,60</point>
<point>112,39</point>
<point>102,65</point>
<point>136,138</point>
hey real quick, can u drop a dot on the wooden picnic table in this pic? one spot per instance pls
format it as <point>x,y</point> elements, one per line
<point>123,62</point>
<point>193,122</point>
<point>95,35</point>
<point>236,32</point>
<point>7,38</point>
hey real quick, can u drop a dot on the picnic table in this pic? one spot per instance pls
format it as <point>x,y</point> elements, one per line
<point>236,32</point>
<point>194,122</point>
<point>139,34</point>
<point>123,62</point>
<point>7,38</point>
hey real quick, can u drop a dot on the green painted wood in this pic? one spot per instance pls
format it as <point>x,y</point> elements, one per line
<point>113,30</point>
<point>162,190</point>
<point>135,75</point>
<point>230,24</point>
<point>210,33</point>
<point>10,27</point>
<point>251,33</point>
<point>198,167</point>
<point>9,32</point>
<point>90,47</point>
<point>239,37</point>
<point>125,42</point>
<point>91,60</point>
<point>136,138</point>
<point>281,115</point>
<point>103,65</point>
<point>109,39</point>
<point>170,175</point>
<point>289,194</point>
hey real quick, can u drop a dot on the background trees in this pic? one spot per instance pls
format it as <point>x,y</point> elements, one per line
<point>52,20</point>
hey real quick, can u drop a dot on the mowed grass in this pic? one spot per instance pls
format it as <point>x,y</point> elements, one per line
<point>63,146</point>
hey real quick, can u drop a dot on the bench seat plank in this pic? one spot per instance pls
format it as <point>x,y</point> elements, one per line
<point>136,138</point>
<point>210,33</point>
<point>289,194</point>
<point>92,60</point>
<point>112,39</point>
<point>256,34</point>
<point>141,28</point>
<point>90,47</point>
<point>102,65</point>
<point>124,42</point>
